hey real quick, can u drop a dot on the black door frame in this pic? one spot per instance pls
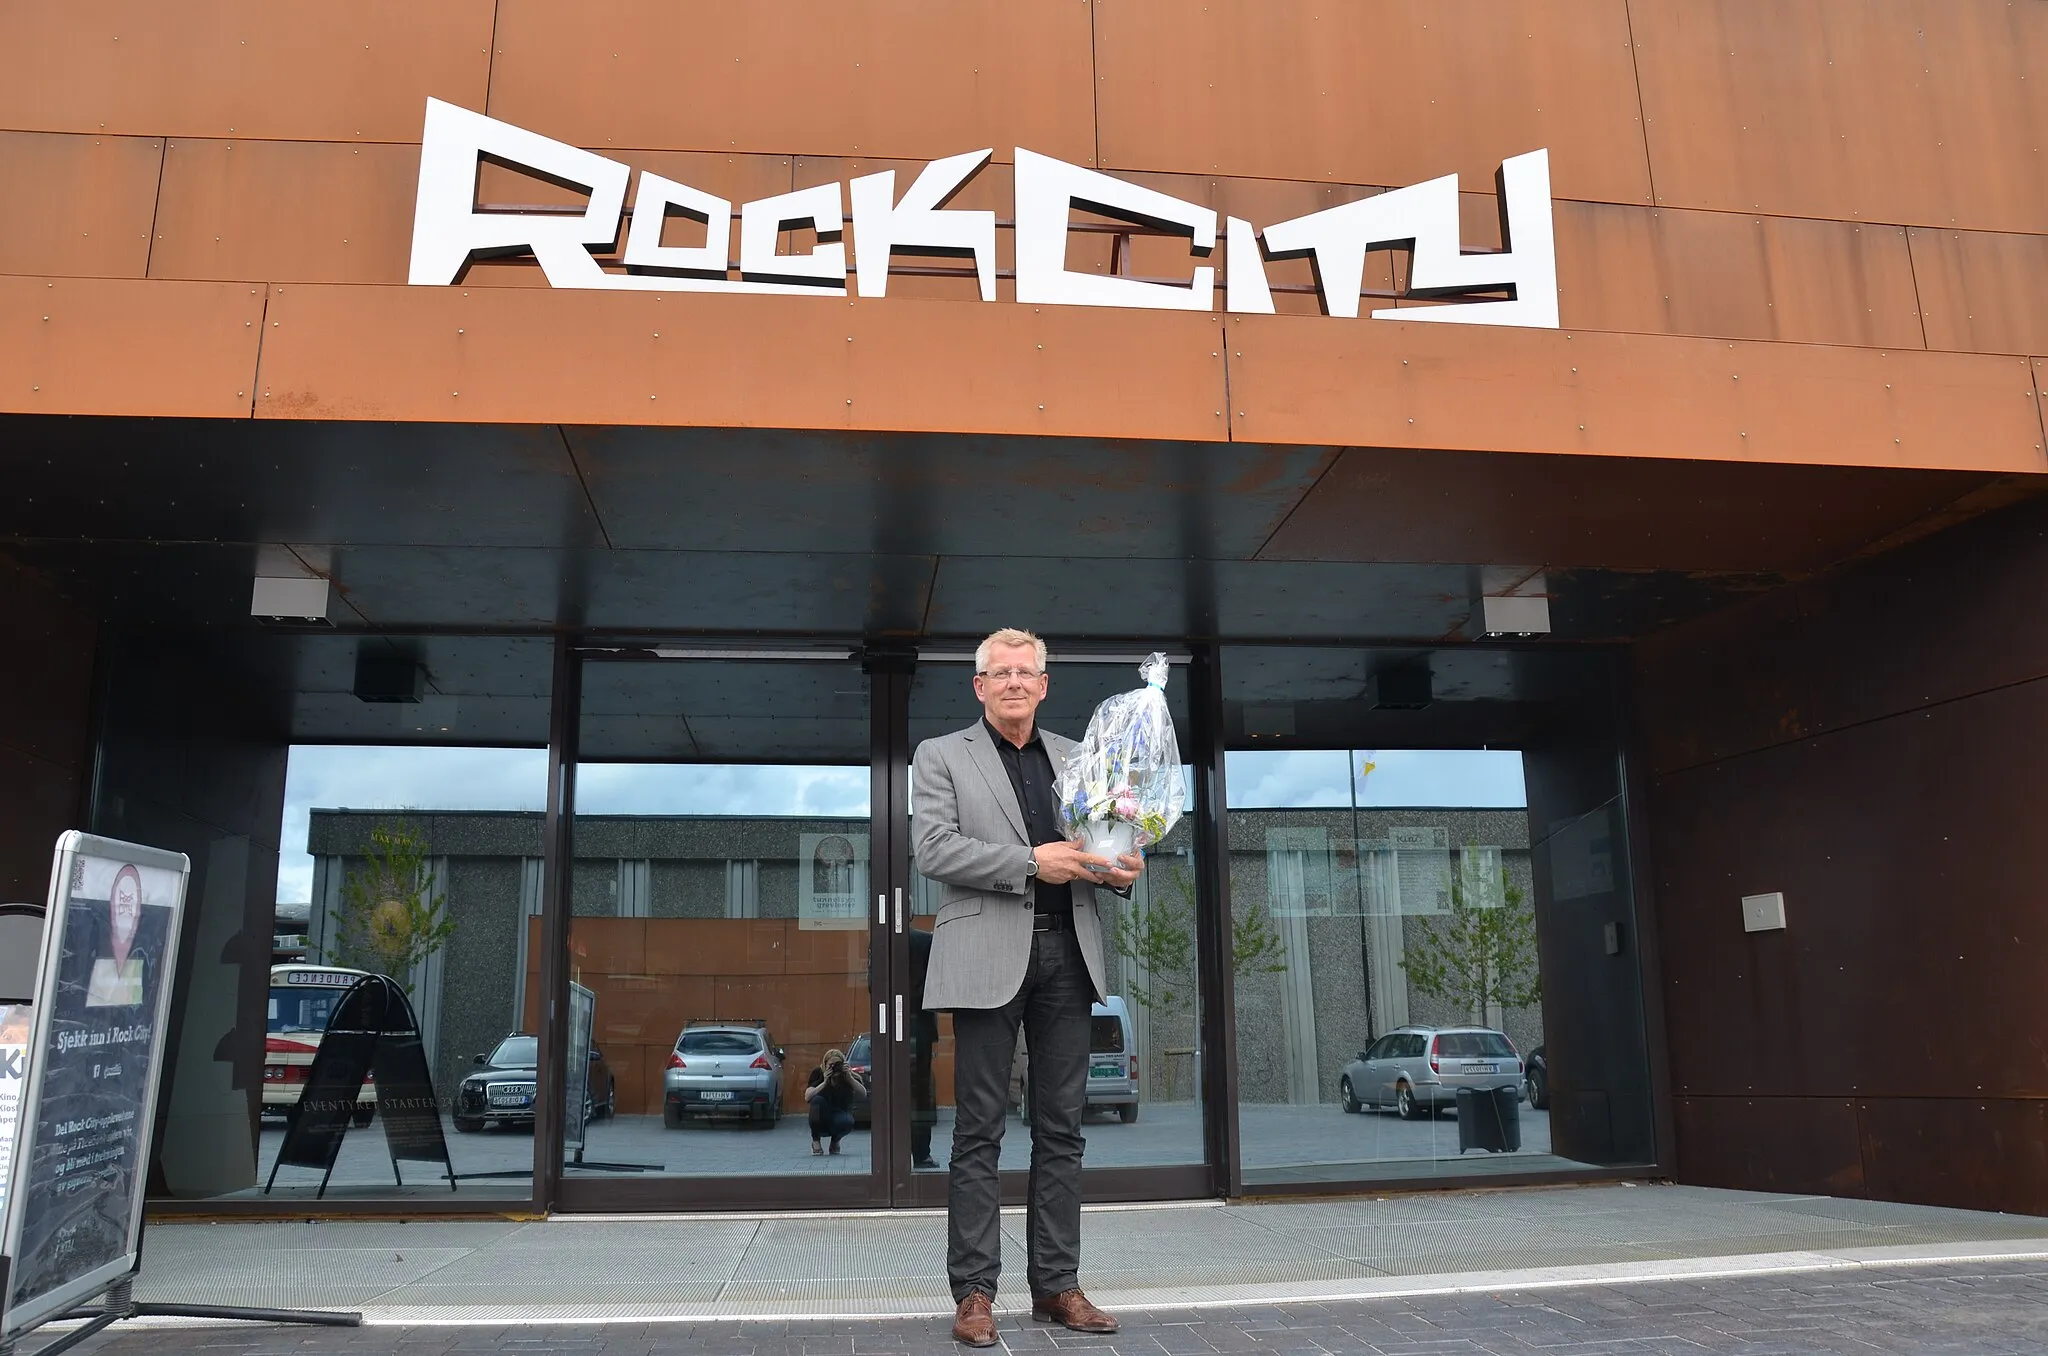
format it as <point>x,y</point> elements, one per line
<point>889,667</point>
<point>657,1192</point>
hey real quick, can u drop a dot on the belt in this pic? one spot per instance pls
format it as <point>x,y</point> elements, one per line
<point>1052,922</point>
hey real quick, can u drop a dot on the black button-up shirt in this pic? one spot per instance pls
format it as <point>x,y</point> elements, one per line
<point>1031,777</point>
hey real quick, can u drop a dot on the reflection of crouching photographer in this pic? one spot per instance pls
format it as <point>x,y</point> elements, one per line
<point>831,1092</point>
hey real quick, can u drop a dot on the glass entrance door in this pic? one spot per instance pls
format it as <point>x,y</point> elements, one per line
<point>722,925</point>
<point>1144,1123</point>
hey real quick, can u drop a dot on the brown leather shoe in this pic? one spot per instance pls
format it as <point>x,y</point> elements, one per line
<point>1071,1307</point>
<point>974,1322</point>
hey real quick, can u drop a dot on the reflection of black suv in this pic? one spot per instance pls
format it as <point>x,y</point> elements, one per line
<point>502,1091</point>
<point>860,1059</point>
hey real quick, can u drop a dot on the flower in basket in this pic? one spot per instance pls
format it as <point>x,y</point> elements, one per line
<point>1121,789</point>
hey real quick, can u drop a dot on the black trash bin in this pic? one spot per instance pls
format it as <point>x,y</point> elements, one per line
<point>1490,1119</point>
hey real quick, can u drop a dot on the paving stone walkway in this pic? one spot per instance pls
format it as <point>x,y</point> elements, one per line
<point>1957,1308</point>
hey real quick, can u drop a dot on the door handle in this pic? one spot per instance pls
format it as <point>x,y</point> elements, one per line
<point>899,1017</point>
<point>899,913</point>
<point>882,910</point>
<point>882,1018</point>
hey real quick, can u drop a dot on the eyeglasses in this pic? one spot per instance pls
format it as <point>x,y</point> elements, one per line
<point>1005,675</point>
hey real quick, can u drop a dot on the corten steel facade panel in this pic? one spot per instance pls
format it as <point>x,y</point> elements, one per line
<point>1454,84</point>
<point>1912,112</point>
<point>1983,292</point>
<point>121,346</point>
<point>1389,93</point>
<point>240,68</point>
<point>1301,380</point>
<point>1735,276</point>
<point>1867,744</point>
<point>280,210</point>
<point>79,206</point>
<point>743,362</point>
<point>911,78</point>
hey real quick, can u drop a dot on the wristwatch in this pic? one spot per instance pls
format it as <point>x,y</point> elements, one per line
<point>1031,867</point>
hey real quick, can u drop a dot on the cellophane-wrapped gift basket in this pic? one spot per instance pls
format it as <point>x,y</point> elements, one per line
<point>1121,790</point>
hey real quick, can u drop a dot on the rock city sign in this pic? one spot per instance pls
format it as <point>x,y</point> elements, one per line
<point>450,230</point>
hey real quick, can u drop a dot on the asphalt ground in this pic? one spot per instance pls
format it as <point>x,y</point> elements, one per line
<point>1964,1307</point>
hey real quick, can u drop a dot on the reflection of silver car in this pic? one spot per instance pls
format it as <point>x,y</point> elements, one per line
<point>722,1069</point>
<point>1419,1068</point>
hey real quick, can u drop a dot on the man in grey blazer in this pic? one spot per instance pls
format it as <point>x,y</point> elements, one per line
<point>1018,941</point>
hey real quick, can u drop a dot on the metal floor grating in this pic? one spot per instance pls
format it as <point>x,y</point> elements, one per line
<point>884,1264</point>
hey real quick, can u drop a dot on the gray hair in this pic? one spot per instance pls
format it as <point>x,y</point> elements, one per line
<point>1009,635</point>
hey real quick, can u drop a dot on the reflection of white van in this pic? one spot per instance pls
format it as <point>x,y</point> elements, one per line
<point>1112,1062</point>
<point>1113,1058</point>
<point>302,998</point>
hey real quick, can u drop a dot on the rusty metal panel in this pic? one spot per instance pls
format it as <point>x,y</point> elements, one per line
<point>912,78</point>
<point>1913,112</point>
<point>1982,292</point>
<point>1388,384</point>
<point>77,205</point>
<point>1806,1145</point>
<point>1735,276</point>
<point>1383,94</point>
<point>1973,1153</point>
<point>219,68</point>
<point>285,211</point>
<point>517,355</point>
<point>127,346</point>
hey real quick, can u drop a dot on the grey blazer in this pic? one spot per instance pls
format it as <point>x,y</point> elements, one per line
<point>971,838</point>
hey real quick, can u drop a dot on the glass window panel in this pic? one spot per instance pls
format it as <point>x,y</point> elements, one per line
<point>722,894</point>
<point>1385,897</point>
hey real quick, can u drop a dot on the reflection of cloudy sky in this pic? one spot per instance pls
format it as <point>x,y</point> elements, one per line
<point>333,777</point>
<point>1289,779</point>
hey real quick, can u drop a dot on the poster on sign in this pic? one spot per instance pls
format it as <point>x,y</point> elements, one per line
<point>73,1212</point>
<point>13,1076</point>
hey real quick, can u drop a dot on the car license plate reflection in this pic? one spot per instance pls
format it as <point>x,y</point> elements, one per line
<point>1482,1068</point>
<point>715,1096</point>
<point>510,1098</point>
<point>1105,1071</point>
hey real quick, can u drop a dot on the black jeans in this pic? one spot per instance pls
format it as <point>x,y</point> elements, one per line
<point>1052,1007</point>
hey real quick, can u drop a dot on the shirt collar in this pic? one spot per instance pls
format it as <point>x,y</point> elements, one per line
<point>1002,742</point>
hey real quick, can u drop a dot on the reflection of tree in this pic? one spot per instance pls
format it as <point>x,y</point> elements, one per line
<point>391,918</point>
<point>1158,935</point>
<point>1481,954</point>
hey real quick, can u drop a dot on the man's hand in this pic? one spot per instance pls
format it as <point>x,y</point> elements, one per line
<point>1133,866</point>
<point>1059,863</point>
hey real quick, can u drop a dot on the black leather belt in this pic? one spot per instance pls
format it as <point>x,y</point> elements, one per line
<point>1052,922</point>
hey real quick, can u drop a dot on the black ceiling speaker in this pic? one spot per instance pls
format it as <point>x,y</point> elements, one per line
<point>389,677</point>
<point>1404,689</point>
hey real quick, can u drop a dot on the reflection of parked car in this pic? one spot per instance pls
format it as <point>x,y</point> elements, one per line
<point>1113,1058</point>
<point>723,1069</point>
<point>1112,1063</point>
<point>1536,1080</point>
<point>1418,1069</point>
<point>502,1091</point>
<point>302,998</point>
<point>860,1059</point>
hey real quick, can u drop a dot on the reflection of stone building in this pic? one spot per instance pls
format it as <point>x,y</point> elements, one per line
<point>1347,893</point>
<point>679,918</point>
